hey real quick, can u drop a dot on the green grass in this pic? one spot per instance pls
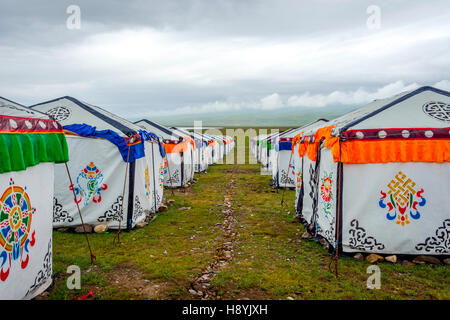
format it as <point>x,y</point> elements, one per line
<point>271,261</point>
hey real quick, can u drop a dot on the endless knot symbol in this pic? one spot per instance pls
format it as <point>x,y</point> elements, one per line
<point>400,187</point>
<point>59,113</point>
<point>437,110</point>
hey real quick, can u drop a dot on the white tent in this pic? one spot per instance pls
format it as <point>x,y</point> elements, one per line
<point>211,150</point>
<point>226,143</point>
<point>256,149</point>
<point>201,151</point>
<point>176,147</point>
<point>267,152</point>
<point>189,155</point>
<point>100,143</point>
<point>381,175</point>
<point>284,164</point>
<point>30,144</point>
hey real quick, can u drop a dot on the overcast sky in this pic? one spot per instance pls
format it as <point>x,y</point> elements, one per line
<point>136,58</point>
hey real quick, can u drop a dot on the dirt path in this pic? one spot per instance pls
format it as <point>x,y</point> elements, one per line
<point>201,287</point>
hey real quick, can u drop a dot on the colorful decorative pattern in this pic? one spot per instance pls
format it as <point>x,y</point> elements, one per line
<point>298,187</point>
<point>299,179</point>
<point>162,171</point>
<point>402,200</point>
<point>326,192</point>
<point>89,185</point>
<point>147,183</point>
<point>16,236</point>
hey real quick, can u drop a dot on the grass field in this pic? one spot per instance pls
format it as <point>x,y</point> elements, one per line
<point>270,260</point>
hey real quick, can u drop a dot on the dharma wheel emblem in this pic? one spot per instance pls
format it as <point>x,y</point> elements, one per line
<point>437,110</point>
<point>59,113</point>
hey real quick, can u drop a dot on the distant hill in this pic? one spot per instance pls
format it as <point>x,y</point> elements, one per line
<point>287,117</point>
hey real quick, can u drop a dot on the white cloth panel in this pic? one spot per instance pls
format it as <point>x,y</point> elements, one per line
<point>99,194</point>
<point>327,197</point>
<point>33,192</point>
<point>142,200</point>
<point>401,208</point>
<point>286,169</point>
<point>173,174</point>
<point>310,189</point>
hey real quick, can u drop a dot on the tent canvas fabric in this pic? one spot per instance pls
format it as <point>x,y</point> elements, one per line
<point>200,154</point>
<point>284,164</point>
<point>383,171</point>
<point>267,152</point>
<point>213,151</point>
<point>203,152</point>
<point>188,163</point>
<point>174,171</point>
<point>98,168</point>
<point>30,144</point>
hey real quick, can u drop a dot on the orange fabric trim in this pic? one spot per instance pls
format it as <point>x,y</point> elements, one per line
<point>302,148</point>
<point>191,141</point>
<point>324,133</point>
<point>383,151</point>
<point>176,147</point>
<point>376,151</point>
<point>295,140</point>
<point>311,151</point>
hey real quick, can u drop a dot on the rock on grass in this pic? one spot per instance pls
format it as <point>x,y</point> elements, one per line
<point>374,258</point>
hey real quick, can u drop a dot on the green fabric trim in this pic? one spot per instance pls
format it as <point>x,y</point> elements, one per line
<point>266,145</point>
<point>19,151</point>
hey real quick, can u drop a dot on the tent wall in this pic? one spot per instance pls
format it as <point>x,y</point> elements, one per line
<point>141,200</point>
<point>108,183</point>
<point>369,225</point>
<point>298,168</point>
<point>156,176</point>
<point>175,176</point>
<point>27,280</point>
<point>325,209</point>
<point>309,195</point>
<point>283,171</point>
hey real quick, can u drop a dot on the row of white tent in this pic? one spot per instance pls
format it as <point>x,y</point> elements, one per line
<point>374,180</point>
<point>115,173</point>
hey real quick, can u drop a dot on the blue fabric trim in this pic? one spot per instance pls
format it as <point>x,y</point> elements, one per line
<point>285,145</point>
<point>85,130</point>
<point>145,135</point>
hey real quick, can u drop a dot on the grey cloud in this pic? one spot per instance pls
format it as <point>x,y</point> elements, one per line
<point>146,56</point>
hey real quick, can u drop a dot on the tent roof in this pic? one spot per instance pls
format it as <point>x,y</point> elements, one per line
<point>14,109</point>
<point>293,132</point>
<point>67,110</point>
<point>425,107</point>
<point>158,129</point>
<point>184,133</point>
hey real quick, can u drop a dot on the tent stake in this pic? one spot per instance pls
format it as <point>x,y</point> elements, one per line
<point>93,257</point>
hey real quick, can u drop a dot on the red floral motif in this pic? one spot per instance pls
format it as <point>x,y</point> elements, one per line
<point>325,189</point>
